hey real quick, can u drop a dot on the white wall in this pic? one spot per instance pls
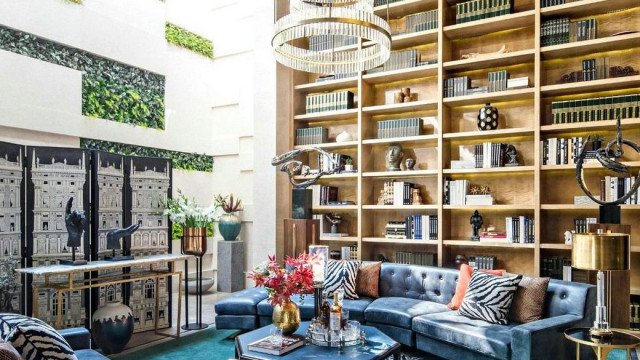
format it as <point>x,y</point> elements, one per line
<point>223,107</point>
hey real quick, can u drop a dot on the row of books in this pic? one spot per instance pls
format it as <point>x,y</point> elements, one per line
<point>634,316</point>
<point>547,3</point>
<point>558,151</point>
<point>556,267</point>
<point>329,42</point>
<point>613,188</point>
<point>483,262</point>
<point>403,59</point>
<point>427,20</point>
<point>455,193</point>
<point>414,227</point>
<point>563,30</point>
<point>331,101</point>
<point>384,2</point>
<point>497,80</point>
<point>416,258</point>
<point>596,109</point>
<point>339,160</point>
<point>399,128</point>
<point>314,135</point>
<point>520,229</point>
<point>457,86</point>
<point>595,69</point>
<point>481,9</point>
<point>397,192</point>
<point>490,155</point>
<point>582,224</point>
<point>323,194</point>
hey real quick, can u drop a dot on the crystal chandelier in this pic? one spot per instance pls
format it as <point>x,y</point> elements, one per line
<point>337,18</point>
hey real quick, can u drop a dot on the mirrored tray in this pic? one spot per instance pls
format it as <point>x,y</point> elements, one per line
<point>351,335</point>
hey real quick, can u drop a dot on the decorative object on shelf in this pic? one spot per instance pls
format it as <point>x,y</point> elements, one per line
<point>476,222</point>
<point>75,222</point>
<point>335,220</point>
<point>229,223</point>
<point>488,118</point>
<point>512,156</point>
<point>568,237</point>
<point>381,197</point>
<point>479,190</point>
<point>416,198</point>
<point>460,259</point>
<point>112,327</point>
<point>335,255</point>
<point>9,283</point>
<point>341,18</point>
<point>294,277</point>
<point>348,165</point>
<point>596,141</point>
<point>409,163</point>
<point>192,285</point>
<point>503,50</point>
<point>393,157</point>
<point>620,71</point>
<point>344,137</point>
<point>113,243</point>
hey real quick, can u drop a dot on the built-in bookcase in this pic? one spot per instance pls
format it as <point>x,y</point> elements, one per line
<point>542,192</point>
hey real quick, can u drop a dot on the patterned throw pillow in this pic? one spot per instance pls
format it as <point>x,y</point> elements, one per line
<point>463,283</point>
<point>34,339</point>
<point>528,302</point>
<point>368,279</point>
<point>341,274</point>
<point>489,297</point>
<point>7,352</point>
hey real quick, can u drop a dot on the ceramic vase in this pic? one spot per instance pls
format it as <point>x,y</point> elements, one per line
<point>286,317</point>
<point>488,118</point>
<point>112,327</point>
<point>194,241</point>
<point>229,226</point>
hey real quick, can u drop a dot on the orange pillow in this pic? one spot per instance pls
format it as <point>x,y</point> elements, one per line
<point>463,284</point>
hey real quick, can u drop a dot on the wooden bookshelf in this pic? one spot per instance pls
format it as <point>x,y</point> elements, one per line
<point>542,192</point>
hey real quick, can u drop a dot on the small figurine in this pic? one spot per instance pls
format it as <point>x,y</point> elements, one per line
<point>113,243</point>
<point>476,222</point>
<point>416,198</point>
<point>393,157</point>
<point>335,220</point>
<point>512,156</point>
<point>409,163</point>
<point>381,197</point>
<point>75,221</point>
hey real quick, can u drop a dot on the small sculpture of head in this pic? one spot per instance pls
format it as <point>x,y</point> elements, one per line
<point>394,156</point>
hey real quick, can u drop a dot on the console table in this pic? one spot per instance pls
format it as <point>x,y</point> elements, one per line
<point>52,279</point>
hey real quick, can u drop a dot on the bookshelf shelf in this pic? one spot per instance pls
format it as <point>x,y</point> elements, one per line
<point>635,291</point>
<point>596,166</point>
<point>402,74</point>
<point>400,207</point>
<point>586,126</point>
<point>496,170</point>
<point>489,134</point>
<point>591,86</point>
<point>470,243</point>
<point>490,25</point>
<point>328,85</point>
<point>572,207</point>
<point>338,238</point>
<point>342,176</point>
<point>402,8</point>
<point>399,241</point>
<point>328,115</point>
<point>333,145</point>
<point>518,94</point>
<point>578,48</point>
<point>402,41</point>
<point>511,58</point>
<point>421,105</point>
<point>495,207</point>
<point>422,139</point>
<point>587,7</point>
<point>324,208</point>
<point>556,246</point>
<point>399,174</point>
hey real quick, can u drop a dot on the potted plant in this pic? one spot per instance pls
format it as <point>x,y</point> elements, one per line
<point>194,221</point>
<point>293,277</point>
<point>229,223</point>
<point>9,284</point>
<point>348,165</point>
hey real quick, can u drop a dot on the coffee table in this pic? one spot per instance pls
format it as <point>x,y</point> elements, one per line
<point>377,347</point>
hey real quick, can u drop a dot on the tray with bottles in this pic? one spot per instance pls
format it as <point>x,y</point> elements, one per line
<point>331,327</point>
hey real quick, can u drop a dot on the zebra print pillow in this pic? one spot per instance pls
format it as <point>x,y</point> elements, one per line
<point>489,297</point>
<point>34,339</point>
<point>342,274</point>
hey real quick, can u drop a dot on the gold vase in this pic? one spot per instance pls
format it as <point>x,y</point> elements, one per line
<point>194,241</point>
<point>286,317</point>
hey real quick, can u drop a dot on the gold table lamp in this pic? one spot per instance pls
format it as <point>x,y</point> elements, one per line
<point>602,252</point>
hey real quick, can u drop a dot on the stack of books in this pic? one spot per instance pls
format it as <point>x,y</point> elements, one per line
<point>457,86</point>
<point>422,227</point>
<point>422,21</point>
<point>613,188</point>
<point>493,236</point>
<point>481,9</point>
<point>582,224</point>
<point>490,155</point>
<point>518,83</point>
<point>483,262</point>
<point>634,316</point>
<point>339,160</point>
<point>595,69</point>
<point>557,267</point>
<point>520,229</point>
<point>558,151</point>
<point>596,109</point>
<point>399,128</point>
<point>332,101</point>
<point>416,258</point>
<point>323,194</point>
<point>314,135</point>
<point>498,80</point>
<point>455,193</point>
<point>395,230</point>
<point>563,30</point>
<point>403,59</point>
<point>397,192</point>
<point>330,42</point>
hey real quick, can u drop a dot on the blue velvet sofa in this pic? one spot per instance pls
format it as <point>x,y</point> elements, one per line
<point>412,309</point>
<point>80,341</point>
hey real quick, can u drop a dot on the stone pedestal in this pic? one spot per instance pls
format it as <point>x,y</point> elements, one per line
<point>230,266</point>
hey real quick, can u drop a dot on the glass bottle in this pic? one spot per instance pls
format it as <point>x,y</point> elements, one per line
<point>335,317</point>
<point>325,310</point>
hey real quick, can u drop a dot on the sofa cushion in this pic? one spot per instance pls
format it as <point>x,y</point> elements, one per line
<point>242,302</point>
<point>476,335</point>
<point>341,274</point>
<point>489,297</point>
<point>463,284</point>
<point>528,302</point>
<point>398,311</point>
<point>368,279</point>
<point>356,307</point>
<point>8,352</point>
<point>418,282</point>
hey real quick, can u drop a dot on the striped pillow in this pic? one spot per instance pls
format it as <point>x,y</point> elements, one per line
<point>34,339</point>
<point>342,274</point>
<point>489,297</point>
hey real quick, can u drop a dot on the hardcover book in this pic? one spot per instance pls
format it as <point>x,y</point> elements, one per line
<point>266,346</point>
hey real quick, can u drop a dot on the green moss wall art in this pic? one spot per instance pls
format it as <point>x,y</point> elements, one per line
<point>110,90</point>
<point>188,40</point>
<point>181,160</point>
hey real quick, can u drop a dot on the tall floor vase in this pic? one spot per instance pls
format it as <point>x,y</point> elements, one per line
<point>194,242</point>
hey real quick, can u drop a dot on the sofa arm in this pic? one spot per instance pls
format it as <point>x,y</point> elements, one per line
<point>78,338</point>
<point>539,339</point>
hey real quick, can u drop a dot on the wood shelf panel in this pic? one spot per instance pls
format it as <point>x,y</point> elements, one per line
<point>556,246</point>
<point>591,86</point>
<point>400,207</point>
<point>339,238</point>
<point>592,125</point>
<point>329,177</point>
<point>399,174</point>
<point>333,145</point>
<point>512,58</point>
<point>496,207</point>
<point>402,74</point>
<point>590,46</point>
<point>328,85</point>
<point>335,208</point>
<point>402,8</point>
<point>328,115</point>
<point>490,25</point>
<point>585,166</point>
<point>399,241</point>
<point>497,170</point>
<point>489,134</point>
<point>518,94</point>
<point>470,243</point>
<point>587,7</point>
<point>422,139</point>
<point>420,105</point>
<point>571,207</point>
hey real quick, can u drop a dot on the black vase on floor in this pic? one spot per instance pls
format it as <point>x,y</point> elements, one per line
<point>112,327</point>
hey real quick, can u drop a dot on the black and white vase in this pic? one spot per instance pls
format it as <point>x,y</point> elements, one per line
<point>488,118</point>
<point>112,327</point>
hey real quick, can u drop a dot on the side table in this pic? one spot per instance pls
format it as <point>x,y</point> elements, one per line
<point>602,346</point>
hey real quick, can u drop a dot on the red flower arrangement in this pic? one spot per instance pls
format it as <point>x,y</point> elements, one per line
<point>296,277</point>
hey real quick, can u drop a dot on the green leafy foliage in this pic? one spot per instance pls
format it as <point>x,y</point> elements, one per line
<point>188,40</point>
<point>110,90</point>
<point>181,160</point>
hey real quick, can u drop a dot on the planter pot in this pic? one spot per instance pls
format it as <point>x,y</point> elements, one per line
<point>192,286</point>
<point>229,226</point>
<point>112,327</point>
<point>194,241</point>
<point>286,317</point>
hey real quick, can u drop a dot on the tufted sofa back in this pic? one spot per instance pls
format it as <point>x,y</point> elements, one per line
<point>569,298</point>
<point>418,282</point>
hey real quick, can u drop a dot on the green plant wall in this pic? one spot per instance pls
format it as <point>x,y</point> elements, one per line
<point>181,160</point>
<point>186,39</point>
<point>110,90</point>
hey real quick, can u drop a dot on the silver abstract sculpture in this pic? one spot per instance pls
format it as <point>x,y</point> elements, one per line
<point>296,167</point>
<point>393,157</point>
<point>335,220</point>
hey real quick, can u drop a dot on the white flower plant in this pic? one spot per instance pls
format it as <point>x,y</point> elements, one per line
<point>185,212</point>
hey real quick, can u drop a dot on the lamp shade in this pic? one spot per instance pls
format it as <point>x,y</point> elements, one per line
<point>319,268</point>
<point>604,252</point>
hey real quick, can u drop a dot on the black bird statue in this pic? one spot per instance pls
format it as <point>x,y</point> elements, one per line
<point>113,243</point>
<point>75,221</point>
